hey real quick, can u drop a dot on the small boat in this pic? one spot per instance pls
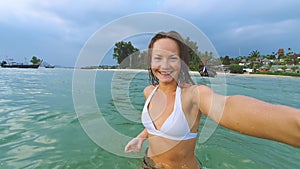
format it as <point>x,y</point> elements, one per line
<point>5,64</point>
<point>205,72</point>
<point>49,66</point>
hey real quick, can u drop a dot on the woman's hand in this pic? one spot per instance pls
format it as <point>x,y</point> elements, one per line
<point>134,145</point>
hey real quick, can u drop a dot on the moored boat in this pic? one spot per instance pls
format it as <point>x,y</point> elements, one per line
<point>6,64</point>
<point>49,66</point>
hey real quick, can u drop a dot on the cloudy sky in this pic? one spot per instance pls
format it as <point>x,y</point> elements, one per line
<point>57,30</point>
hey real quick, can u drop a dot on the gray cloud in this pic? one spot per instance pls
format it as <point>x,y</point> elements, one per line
<point>58,29</point>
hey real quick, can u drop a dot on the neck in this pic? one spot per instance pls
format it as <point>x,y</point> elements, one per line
<point>168,87</point>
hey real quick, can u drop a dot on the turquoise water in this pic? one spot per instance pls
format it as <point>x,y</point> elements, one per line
<point>39,127</point>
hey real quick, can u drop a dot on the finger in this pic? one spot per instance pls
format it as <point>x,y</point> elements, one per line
<point>127,148</point>
<point>128,151</point>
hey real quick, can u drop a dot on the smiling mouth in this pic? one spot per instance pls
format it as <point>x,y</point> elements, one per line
<point>165,73</point>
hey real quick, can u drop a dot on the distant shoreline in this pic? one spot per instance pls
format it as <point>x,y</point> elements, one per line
<point>260,75</point>
<point>218,73</point>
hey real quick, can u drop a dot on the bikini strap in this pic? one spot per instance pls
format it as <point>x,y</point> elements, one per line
<point>151,95</point>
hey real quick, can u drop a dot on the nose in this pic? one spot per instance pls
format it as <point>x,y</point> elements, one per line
<point>165,64</point>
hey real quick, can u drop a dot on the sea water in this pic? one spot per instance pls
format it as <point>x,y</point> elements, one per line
<point>41,127</point>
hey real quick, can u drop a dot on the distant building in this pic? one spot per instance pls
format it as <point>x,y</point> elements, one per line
<point>295,58</point>
<point>265,61</point>
<point>243,62</point>
<point>248,70</point>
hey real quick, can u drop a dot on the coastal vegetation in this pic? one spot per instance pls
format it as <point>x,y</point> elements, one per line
<point>276,63</point>
<point>235,68</point>
<point>296,74</point>
<point>128,56</point>
<point>121,52</point>
<point>280,63</point>
<point>35,60</point>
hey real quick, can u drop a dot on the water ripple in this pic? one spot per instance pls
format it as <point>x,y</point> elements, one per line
<point>39,126</point>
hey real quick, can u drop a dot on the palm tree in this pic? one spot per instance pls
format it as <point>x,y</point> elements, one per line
<point>254,55</point>
<point>290,51</point>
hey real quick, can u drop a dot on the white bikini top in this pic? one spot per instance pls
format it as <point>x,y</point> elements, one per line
<point>175,127</point>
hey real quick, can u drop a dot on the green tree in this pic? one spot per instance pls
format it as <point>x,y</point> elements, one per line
<point>254,55</point>
<point>195,62</point>
<point>235,68</point>
<point>280,56</point>
<point>270,64</point>
<point>237,60</point>
<point>125,54</point>
<point>256,66</point>
<point>284,68</point>
<point>35,60</point>
<point>290,52</point>
<point>225,60</point>
<point>207,56</point>
<point>198,59</point>
<point>272,56</point>
<point>142,60</point>
<point>294,68</point>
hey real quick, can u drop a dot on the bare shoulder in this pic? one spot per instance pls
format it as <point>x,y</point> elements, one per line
<point>198,92</point>
<point>196,89</point>
<point>203,89</point>
<point>190,92</point>
<point>148,90</point>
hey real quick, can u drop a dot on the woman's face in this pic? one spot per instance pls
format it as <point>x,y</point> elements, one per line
<point>165,60</point>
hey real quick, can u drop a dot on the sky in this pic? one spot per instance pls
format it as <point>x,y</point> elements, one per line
<point>57,30</point>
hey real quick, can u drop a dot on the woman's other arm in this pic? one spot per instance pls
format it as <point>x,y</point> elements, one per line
<point>251,116</point>
<point>135,145</point>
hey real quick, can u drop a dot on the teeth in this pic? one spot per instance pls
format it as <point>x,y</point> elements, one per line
<point>166,72</point>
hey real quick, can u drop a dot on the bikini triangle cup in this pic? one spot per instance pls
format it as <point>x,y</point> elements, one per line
<point>175,127</point>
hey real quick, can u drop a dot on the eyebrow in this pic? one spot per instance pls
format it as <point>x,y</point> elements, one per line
<point>161,55</point>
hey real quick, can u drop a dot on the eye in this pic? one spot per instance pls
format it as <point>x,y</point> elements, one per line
<point>157,58</point>
<point>174,58</point>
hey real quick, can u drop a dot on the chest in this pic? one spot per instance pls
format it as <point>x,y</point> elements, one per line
<point>164,107</point>
<point>160,108</point>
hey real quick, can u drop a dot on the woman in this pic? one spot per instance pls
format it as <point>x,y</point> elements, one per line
<point>174,106</point>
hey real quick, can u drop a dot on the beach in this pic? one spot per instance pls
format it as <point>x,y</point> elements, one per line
<point>218,73</point>
<point>260,75</point>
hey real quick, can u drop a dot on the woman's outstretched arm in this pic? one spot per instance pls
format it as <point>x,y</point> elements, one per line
<point>251,116</point>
